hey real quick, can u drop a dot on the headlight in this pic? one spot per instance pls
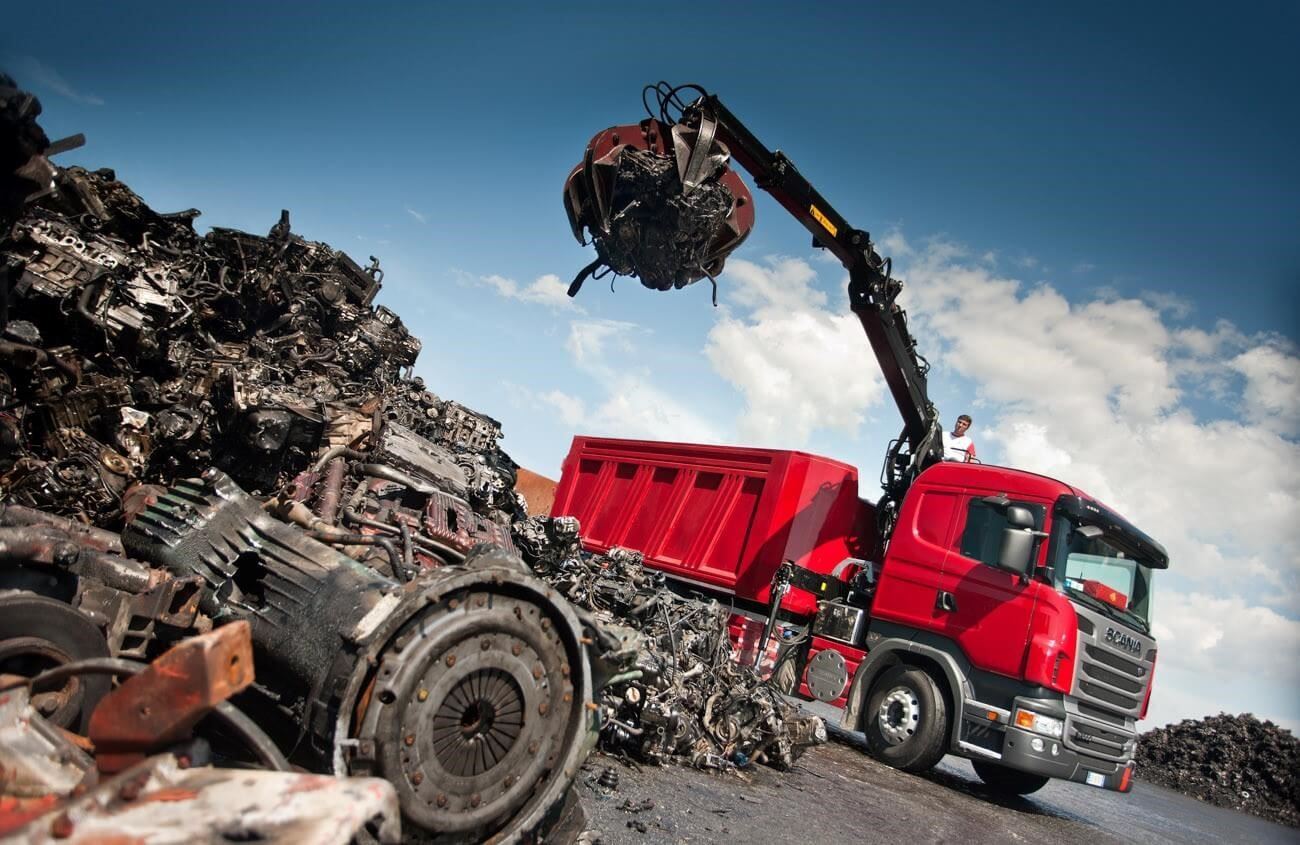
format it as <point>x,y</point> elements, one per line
<point>1040,724</point>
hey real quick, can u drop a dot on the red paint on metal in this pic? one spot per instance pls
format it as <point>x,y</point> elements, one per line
<point>311,783</point>
<point>994,609</point>
<point>160,705</point>
<point>16,812</point>
<point>1053,641</point>
<point>170,794</point>
<point>852,657</point>
<point>723,516</point>
<point>745,632</point>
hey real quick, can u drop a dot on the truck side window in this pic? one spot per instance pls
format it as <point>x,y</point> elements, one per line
<point>934,516</point>
<point>981,539</point>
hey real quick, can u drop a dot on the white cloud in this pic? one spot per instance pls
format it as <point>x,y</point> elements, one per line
<point>1272,393</point>
<point>588,342</point>
<point>799,364</point>
<point>895,245</point>
<point>32,72</point>
<point>630,403</point>
<point>1226,637</point>
<point>1176,306</point>
<point>572,409</point>
<point>419,218</point>
<point>635,407</point>
<point>545,290</point>
<point>1102,394</point>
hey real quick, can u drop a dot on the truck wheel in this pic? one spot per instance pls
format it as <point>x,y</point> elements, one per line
<point>1006,781</point>
<point>906,720</point>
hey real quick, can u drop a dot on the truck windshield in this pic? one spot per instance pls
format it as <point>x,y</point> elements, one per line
<point>1099,572</point>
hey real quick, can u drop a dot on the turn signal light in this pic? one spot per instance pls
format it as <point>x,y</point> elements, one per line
<point>1039,724</point>
<point>1125,780</point>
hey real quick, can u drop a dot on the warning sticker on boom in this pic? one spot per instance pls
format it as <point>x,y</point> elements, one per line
<point>822,219</point>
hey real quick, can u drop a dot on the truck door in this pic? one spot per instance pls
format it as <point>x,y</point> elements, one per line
<point>913,566</point>
<point>986,610</point>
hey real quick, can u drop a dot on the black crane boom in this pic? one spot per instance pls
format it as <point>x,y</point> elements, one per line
<point>873,291</point>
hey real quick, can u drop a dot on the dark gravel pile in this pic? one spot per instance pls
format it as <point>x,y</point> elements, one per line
<point>1231,761</point>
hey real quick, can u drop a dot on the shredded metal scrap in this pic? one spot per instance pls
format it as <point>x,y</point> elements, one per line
<point>657,233</point>
<point>681,695</point>
<point>199,431</point>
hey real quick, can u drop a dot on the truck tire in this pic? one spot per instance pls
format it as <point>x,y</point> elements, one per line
<point>906,719</point>
<point>1004,781</point>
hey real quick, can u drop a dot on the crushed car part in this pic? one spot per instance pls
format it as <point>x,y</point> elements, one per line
<point>159,706</point>
<point>658,201</point>
<point>36,758</point>
<point>39,633</point>
<point>467,689</point>
<point>162,801</point>
<point>681,694</point>
<point>137,353</point>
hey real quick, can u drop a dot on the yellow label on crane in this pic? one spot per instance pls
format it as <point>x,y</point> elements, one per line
<point>821,218</point>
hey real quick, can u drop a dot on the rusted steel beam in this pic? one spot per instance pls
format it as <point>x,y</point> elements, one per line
<point>159,706</point>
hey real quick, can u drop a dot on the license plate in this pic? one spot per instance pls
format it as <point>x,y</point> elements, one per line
<point>1096,779</point>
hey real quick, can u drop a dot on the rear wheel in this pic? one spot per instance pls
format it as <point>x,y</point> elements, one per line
<point>1006,781</point>
<point>906,720</point>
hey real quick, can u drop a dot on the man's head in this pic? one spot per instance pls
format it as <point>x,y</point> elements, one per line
<point>963,423</point>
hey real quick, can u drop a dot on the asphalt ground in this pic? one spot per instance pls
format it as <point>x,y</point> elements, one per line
<point>836,793</point>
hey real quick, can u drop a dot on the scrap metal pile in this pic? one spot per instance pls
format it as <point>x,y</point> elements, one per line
<point>1232,761</point>
<point>199,431</point>
<point>684,696</point>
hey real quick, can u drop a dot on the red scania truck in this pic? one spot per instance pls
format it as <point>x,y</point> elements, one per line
<point>975,610</point>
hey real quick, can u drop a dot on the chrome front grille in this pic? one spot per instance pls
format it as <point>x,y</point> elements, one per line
<point>1091,738</point>
<point>1109,688</point>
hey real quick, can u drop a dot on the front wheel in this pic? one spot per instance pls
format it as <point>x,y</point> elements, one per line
<point>906,719</point>
<point>1004,781</point>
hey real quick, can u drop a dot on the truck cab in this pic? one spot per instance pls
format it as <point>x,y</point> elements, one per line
<point>1044,664</point>
<point>1006,620</point>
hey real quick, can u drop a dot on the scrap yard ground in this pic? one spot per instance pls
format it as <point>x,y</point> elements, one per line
<point>836,793</point>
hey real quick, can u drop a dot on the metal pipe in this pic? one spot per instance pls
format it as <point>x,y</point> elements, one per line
<point>396,476</point>
<point>780,587</point>
<point>407,557</point>
<point>338,452</point>
<point>328,506</point>
<point>36,355</point>
<point>47,545</point>
<point>258,742</point>
<point>83,306</point>
<point>394,558</point>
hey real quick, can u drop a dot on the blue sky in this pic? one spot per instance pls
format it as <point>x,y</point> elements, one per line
<point>1095,210</point>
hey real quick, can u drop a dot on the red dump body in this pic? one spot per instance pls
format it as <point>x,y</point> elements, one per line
<point>722,516</point>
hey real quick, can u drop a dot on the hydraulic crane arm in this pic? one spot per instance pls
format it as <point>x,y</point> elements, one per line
<point>872,290</point>
<point>660,202</point>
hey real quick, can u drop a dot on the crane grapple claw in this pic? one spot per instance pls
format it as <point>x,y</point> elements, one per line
<point>660,202</point>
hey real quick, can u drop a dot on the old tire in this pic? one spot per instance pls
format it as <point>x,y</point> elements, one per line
<point>39,633</point>
<point>1004,781</point>
<point>906,719</point>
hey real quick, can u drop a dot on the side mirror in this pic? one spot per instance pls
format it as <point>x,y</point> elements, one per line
<point>1018,517</point>
<point>1016,551</point>
<point>1018,542</point>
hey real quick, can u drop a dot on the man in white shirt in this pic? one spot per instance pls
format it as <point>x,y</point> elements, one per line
<point>957,445</point>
